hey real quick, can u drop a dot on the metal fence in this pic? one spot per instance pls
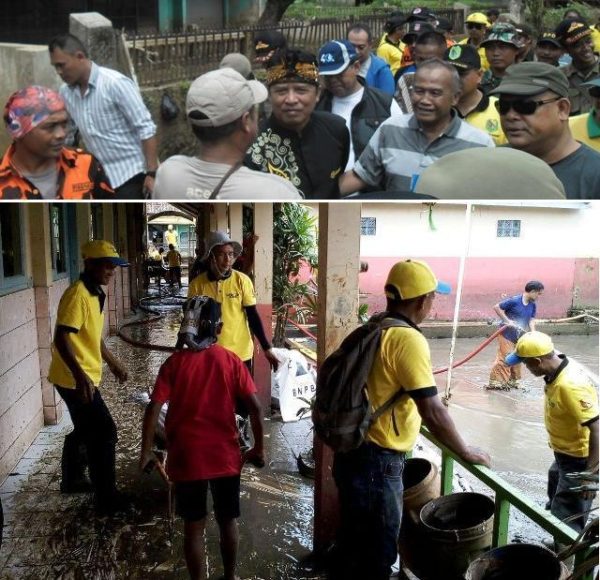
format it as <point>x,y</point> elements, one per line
<point>161,59</point>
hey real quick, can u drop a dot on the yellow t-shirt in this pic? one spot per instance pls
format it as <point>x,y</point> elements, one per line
<point>80,310</point>
<point>403,360</point>
<point>485,65</point>
<point>391,53</point>
<point>571,401</point>
<point>173,258</point>
<point>488,120</point>
<point>580,129</point>
<point>233,294</point>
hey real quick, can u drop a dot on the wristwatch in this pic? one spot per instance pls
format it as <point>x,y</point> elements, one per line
<point>151,173</point>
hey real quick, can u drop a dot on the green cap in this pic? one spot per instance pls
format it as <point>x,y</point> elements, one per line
<point>532,78</point>
<point>490,173</point>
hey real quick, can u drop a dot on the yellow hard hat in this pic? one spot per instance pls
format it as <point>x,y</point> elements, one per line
<point>478,18</point>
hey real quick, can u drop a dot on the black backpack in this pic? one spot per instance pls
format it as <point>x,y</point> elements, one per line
<point>342,412</point>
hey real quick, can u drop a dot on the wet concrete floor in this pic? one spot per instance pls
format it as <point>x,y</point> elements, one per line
<point>49,535</point>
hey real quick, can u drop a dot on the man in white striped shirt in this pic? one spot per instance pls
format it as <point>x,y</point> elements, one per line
<point>111,117</point>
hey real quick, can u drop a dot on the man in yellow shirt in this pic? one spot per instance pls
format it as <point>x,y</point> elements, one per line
<point>474,106</point>
<point>571,419</point>
<point>174,261</point>
<point>369,478</point>
<point>235,292</point>
<point>76,372</point>
<point>391,47</point>
<point>586,128</point>
<point>477,26</point>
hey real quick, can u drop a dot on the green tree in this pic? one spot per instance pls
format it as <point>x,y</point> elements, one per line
<point>294,244</point>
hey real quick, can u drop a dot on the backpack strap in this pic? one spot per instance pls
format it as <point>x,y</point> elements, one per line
<point>384,323</point>
<point>221,183</point>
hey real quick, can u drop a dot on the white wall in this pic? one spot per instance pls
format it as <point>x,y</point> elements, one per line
<point>545,232</point>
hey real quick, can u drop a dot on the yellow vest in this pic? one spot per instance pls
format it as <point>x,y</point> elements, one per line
<point>79,309</point>
<point>586,130</point>
<point>488,120</point>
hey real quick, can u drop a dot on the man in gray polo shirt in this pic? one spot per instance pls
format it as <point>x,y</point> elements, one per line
<point>404,146</point>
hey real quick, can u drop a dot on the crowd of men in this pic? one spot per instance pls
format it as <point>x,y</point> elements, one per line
<point>360,118</point>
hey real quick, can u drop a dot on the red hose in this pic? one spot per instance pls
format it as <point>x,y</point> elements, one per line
<point>472,354</point>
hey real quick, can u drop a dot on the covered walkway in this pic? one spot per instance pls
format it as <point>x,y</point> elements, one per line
<point>51,535</point>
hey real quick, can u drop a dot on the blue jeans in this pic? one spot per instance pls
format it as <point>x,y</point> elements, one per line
<point>369,482</point>
<point>564,503</point>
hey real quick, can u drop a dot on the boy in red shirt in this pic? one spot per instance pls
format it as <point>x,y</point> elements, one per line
<point>202,383</point>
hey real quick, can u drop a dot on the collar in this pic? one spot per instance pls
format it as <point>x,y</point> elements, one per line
<point>564,362</point>
<point>408,321</point>
<point>93,288</point>
<point>388,41</point>
<point>593,127</point>
<point>94,74</point>
<point>212,278</point>
<point>280,129</point>
<point>68,159</point>
<point>482,105</point>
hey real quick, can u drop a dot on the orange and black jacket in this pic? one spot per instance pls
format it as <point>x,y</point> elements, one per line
<point>80,176</point>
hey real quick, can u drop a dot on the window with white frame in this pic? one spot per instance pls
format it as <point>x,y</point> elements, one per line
<point>508,229</point>
<point>368,226</point>
<point>12,246</point>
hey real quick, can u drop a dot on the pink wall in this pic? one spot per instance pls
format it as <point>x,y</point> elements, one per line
<point>490,280</point>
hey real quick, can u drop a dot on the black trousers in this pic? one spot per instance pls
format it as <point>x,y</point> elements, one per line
<point>132,189</point>
<point>92,442</point>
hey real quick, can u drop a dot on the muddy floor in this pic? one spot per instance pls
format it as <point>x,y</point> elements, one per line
<point>50,535</point>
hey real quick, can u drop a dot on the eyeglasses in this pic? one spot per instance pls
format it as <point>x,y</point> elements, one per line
<point>522,106</point>
<point>475,25</point>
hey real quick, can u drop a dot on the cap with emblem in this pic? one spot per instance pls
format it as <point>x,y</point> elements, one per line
<point>336,56</point>
<point>463,56</point>
<point>548,37</point>
<point>569,32</point>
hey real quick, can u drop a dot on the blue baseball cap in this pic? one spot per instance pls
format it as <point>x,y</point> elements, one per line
<point>336,56</point>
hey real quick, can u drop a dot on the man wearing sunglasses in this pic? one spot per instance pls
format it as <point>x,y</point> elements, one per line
<point>586,127</point>
<point>576,38</point>
<point>534,111</point>
<point>477,26</point>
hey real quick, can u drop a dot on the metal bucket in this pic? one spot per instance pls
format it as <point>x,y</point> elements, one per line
<point>422,483</point>
<point>457,529</point>
<point>517,562</point>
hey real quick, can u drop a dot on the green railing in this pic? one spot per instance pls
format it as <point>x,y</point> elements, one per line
<point>506,496</point>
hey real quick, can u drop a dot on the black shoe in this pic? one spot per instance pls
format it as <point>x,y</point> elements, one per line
<point>113,504</point>
<point>78,486</point>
